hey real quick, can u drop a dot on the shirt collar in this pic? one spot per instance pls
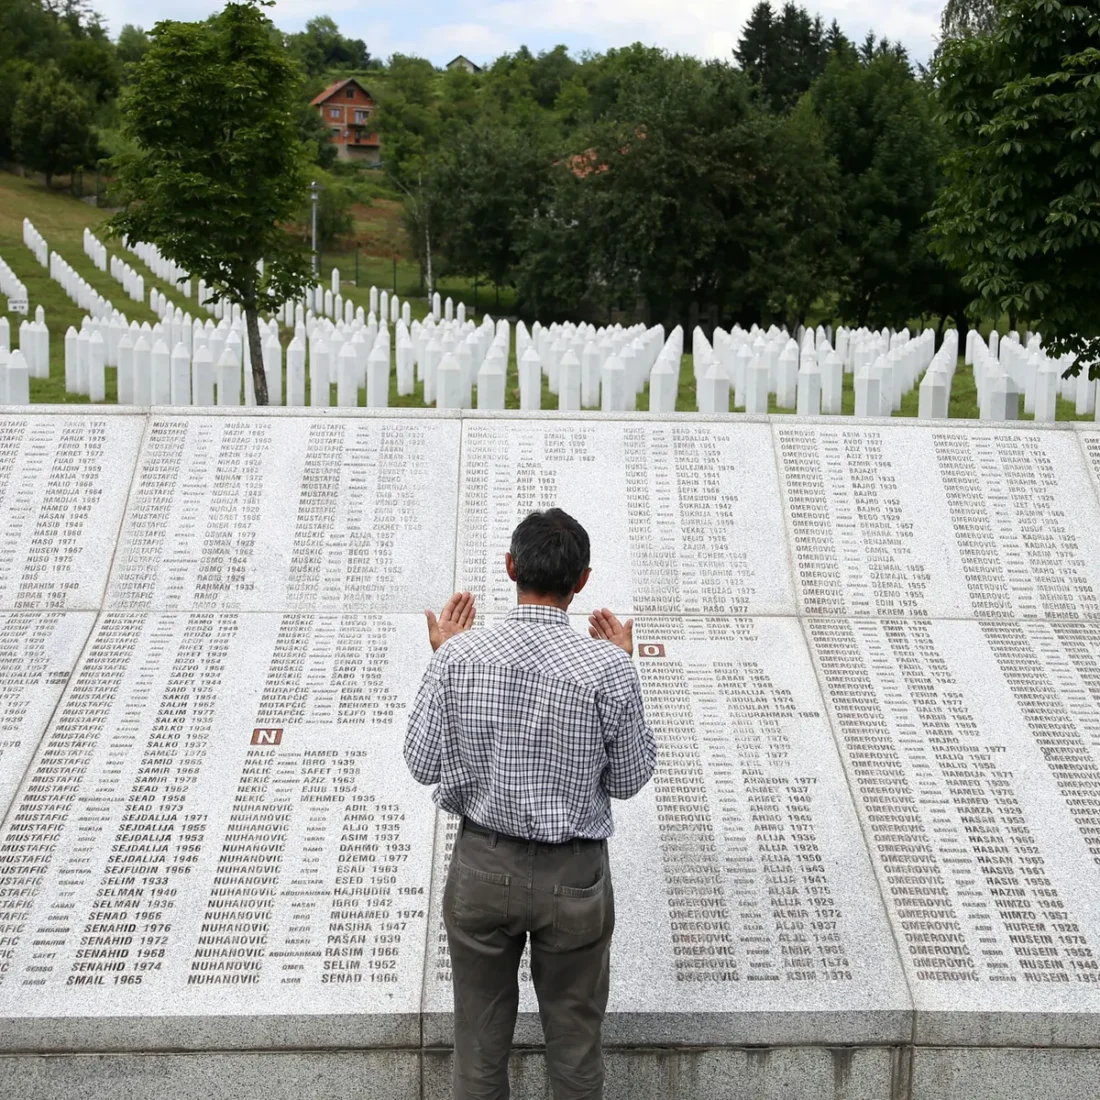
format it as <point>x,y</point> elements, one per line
<point>538,613</point>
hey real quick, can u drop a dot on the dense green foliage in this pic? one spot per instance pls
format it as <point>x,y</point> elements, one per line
<point>879,122</point>
<point>321,48</point>
<point>219,167</point>
<point>1020,215</point>
<point>662,186</point>
<point>51,125</point>
<point>806,176</point>
<point>784,53</point>
<point>68,41</point>
<point>966,17</point>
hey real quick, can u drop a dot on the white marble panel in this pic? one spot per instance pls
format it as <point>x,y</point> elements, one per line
<point>940,522</point>
<point>973,749</point>
<point>747,910</point>
<point>684,518</point>
<point>290,514</point>
<point>63,486</point>
<point>38,650</point>
<point>1090,444</point>
<point>237,856</point>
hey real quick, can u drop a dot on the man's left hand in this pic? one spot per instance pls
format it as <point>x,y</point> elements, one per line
<point>456,617</point>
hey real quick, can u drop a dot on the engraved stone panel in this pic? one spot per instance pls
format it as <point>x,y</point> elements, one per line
<point>684,518</point>
<point>940,522</point>
<point>217,843</point>
<point>974,752</point>
<point>1090,444</point>
<point>290,514</point>
<point>747,908</point>
<point>37,654</point>
<point>63,485</point>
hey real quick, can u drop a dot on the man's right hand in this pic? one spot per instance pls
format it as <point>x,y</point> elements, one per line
<point>456,617</point>
<point>603,624</point>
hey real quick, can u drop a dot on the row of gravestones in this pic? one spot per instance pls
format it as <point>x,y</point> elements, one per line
<point>757,367</point>
<point>601,370</point>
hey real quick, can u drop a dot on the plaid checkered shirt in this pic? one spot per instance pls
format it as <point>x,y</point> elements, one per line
<point>530,728</point>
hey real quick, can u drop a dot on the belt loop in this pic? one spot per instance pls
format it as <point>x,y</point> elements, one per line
<point>493,838</point>
<point>576,847</point>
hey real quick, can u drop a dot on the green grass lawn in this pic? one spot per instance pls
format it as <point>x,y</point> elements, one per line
<point>61,219</point>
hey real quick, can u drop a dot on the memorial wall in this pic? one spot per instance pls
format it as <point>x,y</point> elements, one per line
<point>870,654</point>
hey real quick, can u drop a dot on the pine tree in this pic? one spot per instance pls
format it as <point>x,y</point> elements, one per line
<point>753,51</point>
<point>783,55</point>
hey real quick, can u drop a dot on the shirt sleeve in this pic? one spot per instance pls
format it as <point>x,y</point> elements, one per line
<point>631,748</point>
<point>424,736</point>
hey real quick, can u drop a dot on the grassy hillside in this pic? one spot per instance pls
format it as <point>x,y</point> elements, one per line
<point>61,219</point>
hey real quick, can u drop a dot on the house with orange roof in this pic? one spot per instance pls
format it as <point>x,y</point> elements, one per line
<point>347,109</point>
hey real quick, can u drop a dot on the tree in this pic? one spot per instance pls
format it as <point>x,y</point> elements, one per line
<point>489,179</point>
<point>220,168</point>
<point>754,48</point>
<point>408,118</point>
<point>550,71</point>
<point>321,46</point>
<point>314,132</point>
<point>132,45</point>
<point>1020,215</point>
<point>458,100</point>
<point>89,60</point>
<point>605,76</point>
<point>334,220</point>
<point>410,130</point>
<point>675,200</point>
<point>965,17</point>
<point>783,55</point>
<point>878,122</point>
<point>29,38</point>
<point>793,222</point>
<point>52,126</point>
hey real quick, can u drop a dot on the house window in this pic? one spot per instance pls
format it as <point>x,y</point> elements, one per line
<point>362,116</point>
<point>334,112</point>
<point>336,131</point>
<point>350,92</point>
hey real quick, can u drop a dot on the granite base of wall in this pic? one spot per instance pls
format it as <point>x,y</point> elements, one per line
<point>1006,1073</point>
<point>721,1073</point>
<point>718,1073</point>
<point>294,1075</point>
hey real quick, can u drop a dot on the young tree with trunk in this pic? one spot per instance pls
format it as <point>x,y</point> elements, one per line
<point>220,167</point>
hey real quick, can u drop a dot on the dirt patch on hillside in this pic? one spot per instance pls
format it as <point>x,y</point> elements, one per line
<point>378,229</point>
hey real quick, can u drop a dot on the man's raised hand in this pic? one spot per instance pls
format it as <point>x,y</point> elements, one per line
<point>603,624</point>
<point>456,617</point>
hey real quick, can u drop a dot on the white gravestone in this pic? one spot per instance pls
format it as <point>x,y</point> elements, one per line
<point>491,383</point>
<point>202,378</point>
